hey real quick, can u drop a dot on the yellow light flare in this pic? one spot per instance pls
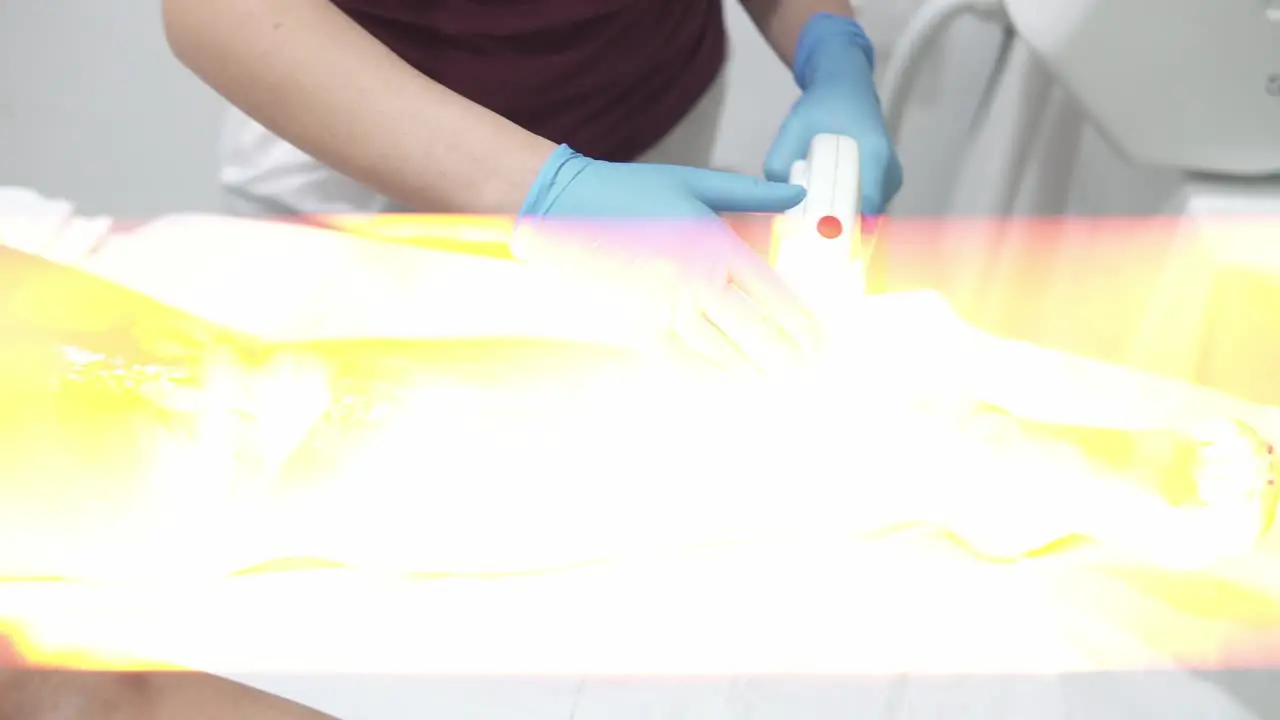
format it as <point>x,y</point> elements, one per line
<point>486,236</point>
<point>22,650</point>
<point>1181,298</point>
<point>148,445</point>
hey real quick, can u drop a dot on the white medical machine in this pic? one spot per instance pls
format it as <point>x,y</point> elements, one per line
<point>1187,86</point>
<point>1191,86</point>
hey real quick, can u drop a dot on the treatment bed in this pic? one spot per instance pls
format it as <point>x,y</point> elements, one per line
<point>370,598</point>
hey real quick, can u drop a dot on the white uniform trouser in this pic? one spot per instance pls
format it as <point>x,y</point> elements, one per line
<point>264,175</point>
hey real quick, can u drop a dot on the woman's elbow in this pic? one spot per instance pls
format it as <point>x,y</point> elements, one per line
<point>199,31</point>
<point>177,19</point>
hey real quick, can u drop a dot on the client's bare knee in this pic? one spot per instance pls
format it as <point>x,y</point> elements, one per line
<point>29,694</point>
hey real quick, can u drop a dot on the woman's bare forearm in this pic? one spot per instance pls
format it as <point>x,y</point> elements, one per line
<point>310,74</point>
<point>781,21</point>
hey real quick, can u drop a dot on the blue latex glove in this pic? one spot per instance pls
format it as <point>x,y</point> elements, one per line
<point>647,242</point>
<point>833,67</point>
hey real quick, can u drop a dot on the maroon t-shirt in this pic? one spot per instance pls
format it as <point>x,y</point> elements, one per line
<point>608,77</point>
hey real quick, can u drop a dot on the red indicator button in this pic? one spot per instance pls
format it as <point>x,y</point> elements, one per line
<point>830,227</point>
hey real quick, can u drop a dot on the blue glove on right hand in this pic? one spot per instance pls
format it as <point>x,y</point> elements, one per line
<point>671,259</point>
<point>834,63</point>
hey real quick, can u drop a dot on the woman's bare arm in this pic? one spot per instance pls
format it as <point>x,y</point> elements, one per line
<point>309,73</point>
<point>782,21</point>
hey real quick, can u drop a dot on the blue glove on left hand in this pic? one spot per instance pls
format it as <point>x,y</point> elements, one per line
<point>834,64</point>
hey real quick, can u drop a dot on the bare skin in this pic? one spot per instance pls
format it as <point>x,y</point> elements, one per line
<point>781,21</point>
<point>27,694</point>
<point>363,111</point>
<point>310,74</point>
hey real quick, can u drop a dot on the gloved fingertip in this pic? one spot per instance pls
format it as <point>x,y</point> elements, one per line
<point>792,190</point>
<point>871,196</point>
<point>788,195</point>
<point>773,197</point>
<point>776,170</point>
<point>734,192</point>
<point>790,145</point>
<point>893,178</point>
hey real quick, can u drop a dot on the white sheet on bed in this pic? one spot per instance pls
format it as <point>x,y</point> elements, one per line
<point>878,621</point>
<point>902,628</point>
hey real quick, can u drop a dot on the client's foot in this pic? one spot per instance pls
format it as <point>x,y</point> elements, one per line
<point>1170,497</point>
<point>1236,481</point>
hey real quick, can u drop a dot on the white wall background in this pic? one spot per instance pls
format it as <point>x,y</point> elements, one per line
<point>93,107</point>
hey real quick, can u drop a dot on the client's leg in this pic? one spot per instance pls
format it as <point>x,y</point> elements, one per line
<point>1169,496</point>
<point>28,694</point>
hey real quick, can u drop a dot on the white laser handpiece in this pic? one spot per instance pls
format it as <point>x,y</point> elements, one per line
<point>818,249</point>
